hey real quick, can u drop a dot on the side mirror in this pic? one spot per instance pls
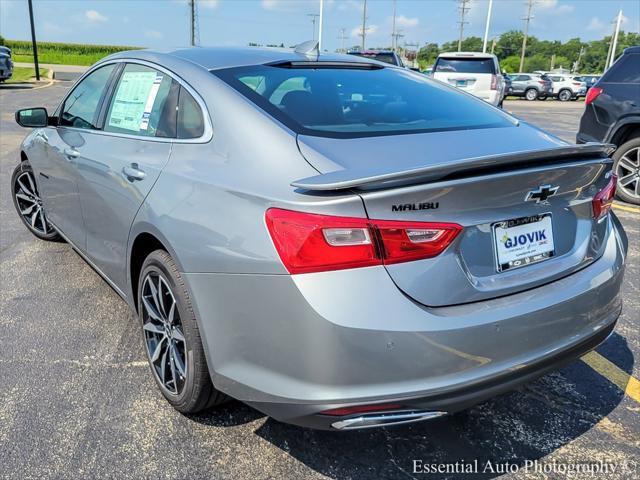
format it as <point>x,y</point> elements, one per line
<point>32,117</point>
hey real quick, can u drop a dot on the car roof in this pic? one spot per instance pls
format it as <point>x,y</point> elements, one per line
<point>634,49</point>
<point>215,58</point>
<point>466,55</point>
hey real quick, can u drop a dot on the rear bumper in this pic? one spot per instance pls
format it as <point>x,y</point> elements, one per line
<point>294,346</point>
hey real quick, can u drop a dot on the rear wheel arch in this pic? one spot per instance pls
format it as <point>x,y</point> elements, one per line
<point>142,246</point>
<point>626,132</point>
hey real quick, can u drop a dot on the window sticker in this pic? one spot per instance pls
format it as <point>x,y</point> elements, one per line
<point>134,100</point>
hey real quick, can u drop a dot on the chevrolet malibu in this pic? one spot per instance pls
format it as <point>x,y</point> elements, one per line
<point>335,241</point>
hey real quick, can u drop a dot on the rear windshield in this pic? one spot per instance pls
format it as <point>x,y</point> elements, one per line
<point>381,57</point>
<point>359,102</point>
<point>625,70</point>
<point>465,65</point>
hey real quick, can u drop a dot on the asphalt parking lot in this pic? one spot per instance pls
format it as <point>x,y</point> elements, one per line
<point>77,399</point>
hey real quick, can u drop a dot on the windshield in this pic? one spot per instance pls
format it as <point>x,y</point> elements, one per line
<point>356,102</point>
<point>465,65</point>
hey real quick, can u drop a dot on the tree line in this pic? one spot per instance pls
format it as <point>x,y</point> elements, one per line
<point>540,54</point>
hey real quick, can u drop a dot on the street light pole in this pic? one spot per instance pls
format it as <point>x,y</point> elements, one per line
<point>486,28</point>
<point>33,41</point>
<point>615,39</point>
<point>364,23</point>
<point>320,26</point>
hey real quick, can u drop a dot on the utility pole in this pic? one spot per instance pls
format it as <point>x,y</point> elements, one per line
<point>486,27</point>
<point>615,39</point>
<point>193,14</point>
<point>526,19</point>
<point>313,16</point>
<point>464,8</point>
<point>393,28</point>
<point>320,26</point>
<point>364,23</point>
<point>343,37</point>
<point>33,41</point>
<point>576,65</point>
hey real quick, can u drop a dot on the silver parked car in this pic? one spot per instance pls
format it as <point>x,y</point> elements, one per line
<point>338,242</point>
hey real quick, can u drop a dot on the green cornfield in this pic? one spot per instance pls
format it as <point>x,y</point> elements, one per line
<point>62,53</point>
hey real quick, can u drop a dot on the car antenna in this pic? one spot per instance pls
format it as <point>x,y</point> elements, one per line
<point>309,48</point>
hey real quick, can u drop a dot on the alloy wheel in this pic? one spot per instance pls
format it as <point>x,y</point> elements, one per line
<point>565,95</point>
<point>628,172</point>
<point>30,204</point>
<point>163,332</point>
<point>531,94</point>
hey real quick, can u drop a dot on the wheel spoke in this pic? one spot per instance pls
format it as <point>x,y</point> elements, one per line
<point>28,210</point>
<point>154,295</point>
<point>151,309</point>
<point>163,367</point>
<point>627,179</point>
<point>34,190</point>
<point>178,335</point>
<point>43,220</point>
<point>158,349</point>
<point>161,297</point>
<point>26,198</point>
<point>153,328</point>
<point>172,366</point>
<point>34,217</point>
<point>26,190</point>
<point>178,361</point>
<point>172,311</point>
<point>627,164</point>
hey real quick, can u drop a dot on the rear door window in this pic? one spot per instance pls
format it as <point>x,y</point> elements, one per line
<point>465,65</point>
<point>190,119</point>
<point>625,70</point>
<point>143,103</point>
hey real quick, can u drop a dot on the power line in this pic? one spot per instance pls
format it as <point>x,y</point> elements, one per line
<point>526,19</point>
<point>464,8</point>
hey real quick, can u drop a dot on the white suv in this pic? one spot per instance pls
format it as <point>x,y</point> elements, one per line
<point>567,87</point>
<point>476,73</point>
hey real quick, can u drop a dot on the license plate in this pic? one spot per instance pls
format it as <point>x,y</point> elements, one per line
<point>523,241</point>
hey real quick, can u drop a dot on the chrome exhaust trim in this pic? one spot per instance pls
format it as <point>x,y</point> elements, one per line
<point>383,419</point>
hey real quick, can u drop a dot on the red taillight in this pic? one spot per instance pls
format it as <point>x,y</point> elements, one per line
<point>592,94</point>
<point>494,82</point>
<point>308,242</point>
<point>341,412</point>
<point>604,198</point>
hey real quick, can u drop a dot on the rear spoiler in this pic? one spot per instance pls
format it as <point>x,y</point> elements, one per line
<point>346,179</point>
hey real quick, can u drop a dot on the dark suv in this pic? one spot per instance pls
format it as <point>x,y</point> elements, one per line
<point>612,114</point>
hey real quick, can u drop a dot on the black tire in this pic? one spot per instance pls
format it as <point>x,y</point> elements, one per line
<point>542,97</point>
<point>565,95</point>
<point>196,392</point>
<point>630,192</point>
<point>531,94</point>
<point>28,204</point>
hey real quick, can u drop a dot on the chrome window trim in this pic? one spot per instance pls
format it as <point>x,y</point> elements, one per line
<point>208,125</point>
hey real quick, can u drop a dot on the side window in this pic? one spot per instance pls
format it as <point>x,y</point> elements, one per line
<point>190,120</point>
<point>625,70</point>
<point>80,109</point>
<point>144,103</point>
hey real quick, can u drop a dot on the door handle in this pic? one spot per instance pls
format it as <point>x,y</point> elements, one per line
<point>71,152</point>
<point>133,172</point>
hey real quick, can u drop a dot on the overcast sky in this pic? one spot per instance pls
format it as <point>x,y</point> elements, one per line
<point>165,23</point>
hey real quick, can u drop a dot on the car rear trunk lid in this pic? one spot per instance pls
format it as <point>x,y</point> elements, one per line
<point>492,204</point>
